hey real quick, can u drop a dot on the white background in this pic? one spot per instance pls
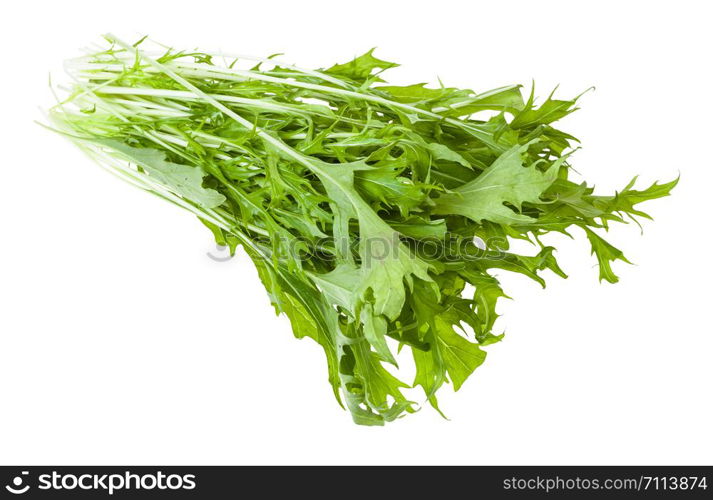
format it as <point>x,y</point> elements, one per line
<point>122,342</point>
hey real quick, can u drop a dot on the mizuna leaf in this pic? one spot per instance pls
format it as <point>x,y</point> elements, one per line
<point>361,68</point>
<point>377,217</point>
<point>186,181</point>
<point>505,181</point>
<point>460,356</point>
<point>606,254</point>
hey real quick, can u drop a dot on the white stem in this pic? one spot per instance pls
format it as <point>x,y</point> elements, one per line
<point>232,74</point>
<point>277,143</point>
<point>190,96</point>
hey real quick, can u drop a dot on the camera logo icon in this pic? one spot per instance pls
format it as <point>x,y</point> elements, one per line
<point>16,487</point>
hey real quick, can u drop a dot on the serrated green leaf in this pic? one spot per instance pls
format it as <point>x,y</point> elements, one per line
<point>183,180</point>
<point>505,181</point>
<point>360,68</point>
<point>606,254</point>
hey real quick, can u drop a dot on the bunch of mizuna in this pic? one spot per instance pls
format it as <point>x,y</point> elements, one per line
<point>377,216</point>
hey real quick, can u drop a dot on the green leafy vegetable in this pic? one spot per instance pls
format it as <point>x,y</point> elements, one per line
<point>376,215</point>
